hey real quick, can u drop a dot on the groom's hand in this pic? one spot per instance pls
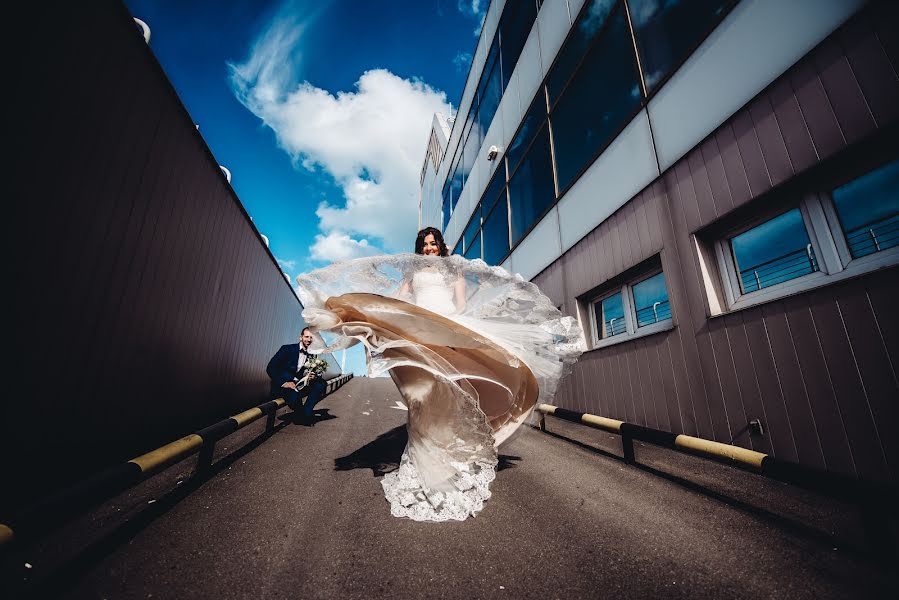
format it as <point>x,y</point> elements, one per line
<point>289,385</point>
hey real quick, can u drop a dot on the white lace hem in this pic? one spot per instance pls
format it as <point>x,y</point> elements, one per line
<point>409,498</point>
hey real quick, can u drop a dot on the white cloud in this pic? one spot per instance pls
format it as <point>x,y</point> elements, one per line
<point>475,9</point>
<point>290,265</point>
<point>462,60</point>
<point>337,245</point>
<point>472,8</point>
<point>371,140</point>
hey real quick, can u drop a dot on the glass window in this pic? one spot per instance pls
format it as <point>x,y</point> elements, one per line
<point>868,208</point>
<point>447,207</point>
<point>531,189</point>
<point>778,250</point>
<point>495,233</point>
<point>489,94</point>
<point>472,229</point>
<point>651,300</point>
<point>531,122</point>
<point>582,34</point>
<point>458,248</point>
<point>458,182</point>
<point>473,250</point>
<point>514,27</point>
<point>470,151</point>
<point>472,145</point>
<point>599,99</point>
<point>668,30</point>
<point>610,316</point>
<point>496,185</point>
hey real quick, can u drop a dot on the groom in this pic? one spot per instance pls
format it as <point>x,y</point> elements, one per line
<point>289,363</point>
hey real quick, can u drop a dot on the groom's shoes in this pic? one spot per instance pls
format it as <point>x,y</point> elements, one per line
<point>300,419</point>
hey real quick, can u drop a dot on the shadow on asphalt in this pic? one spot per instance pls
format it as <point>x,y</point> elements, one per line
<point>318,415</point>
<point>323,414</point>
<point>67,574</point>
<point>383,455</point>
<point>795,527</point>
<point>507,462</point>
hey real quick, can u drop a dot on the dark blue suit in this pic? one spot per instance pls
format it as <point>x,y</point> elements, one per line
<point>283,368</point>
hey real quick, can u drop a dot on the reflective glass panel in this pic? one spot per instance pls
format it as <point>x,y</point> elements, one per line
<point>458,181</point>
<point>668,30</point>
<point>470,150</point>
<point>473,250</point>
<point>495,234</point>
<point>531,122</point>
<point>471,229</point>
<point>869,210</point>
<point>514,27</point>
<point>447,208</point>
<point>601,97</point>
<point>531,189</point>
<point>489,95</point>
<point>496,185</point>
<point>651,300</point>
<point>610,316</point>
<point>778,250</point>
<point>588,25</point>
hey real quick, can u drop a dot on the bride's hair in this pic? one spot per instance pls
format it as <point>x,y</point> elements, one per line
<point>438,237</point>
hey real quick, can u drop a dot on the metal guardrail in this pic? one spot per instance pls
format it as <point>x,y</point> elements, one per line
<point>777,270</point>
<point>114,480</point>
<point>873,237</point>
<point>875,500</point>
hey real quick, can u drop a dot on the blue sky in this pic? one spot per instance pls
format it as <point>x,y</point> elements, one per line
<point>320,110</point>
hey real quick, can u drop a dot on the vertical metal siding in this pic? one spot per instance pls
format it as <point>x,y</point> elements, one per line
<point>144,302</point>
<point>819,369</point>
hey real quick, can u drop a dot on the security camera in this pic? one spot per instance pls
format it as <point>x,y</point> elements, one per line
<point>492,152</point>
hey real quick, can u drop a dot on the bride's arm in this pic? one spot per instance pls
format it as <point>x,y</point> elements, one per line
<point>460,294</point>
<point>405,290</point>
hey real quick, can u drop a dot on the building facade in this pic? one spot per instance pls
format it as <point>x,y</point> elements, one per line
<point>146,305</point>
<point>429,197</point>
<point>712,188</point>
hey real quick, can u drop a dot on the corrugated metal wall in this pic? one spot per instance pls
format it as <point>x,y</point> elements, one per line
<point>145,302</point>
<point>819,368</point>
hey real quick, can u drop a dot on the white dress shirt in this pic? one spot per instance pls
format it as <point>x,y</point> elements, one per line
<point>302,358</point>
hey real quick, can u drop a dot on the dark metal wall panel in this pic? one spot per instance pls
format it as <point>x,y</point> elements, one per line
<point>820,368</point>
<point>145,304</point>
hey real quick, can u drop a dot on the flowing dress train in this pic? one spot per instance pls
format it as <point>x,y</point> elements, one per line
<point>469,375</point>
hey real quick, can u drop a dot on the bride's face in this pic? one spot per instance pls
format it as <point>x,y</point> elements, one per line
<point>431,248</point>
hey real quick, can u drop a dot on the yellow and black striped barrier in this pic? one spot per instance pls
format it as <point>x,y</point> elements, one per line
<point>117,479</point>
<point>834,484</point>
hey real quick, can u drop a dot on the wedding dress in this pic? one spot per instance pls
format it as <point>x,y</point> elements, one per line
<point>470,371</point>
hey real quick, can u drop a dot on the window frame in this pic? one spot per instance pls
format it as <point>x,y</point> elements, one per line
<point>632,331</point>
<point>676,66</point>
<point>551,106</point>
<point>828,240</point>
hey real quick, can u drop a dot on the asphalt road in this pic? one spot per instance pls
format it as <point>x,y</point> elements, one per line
<point>300,514</point>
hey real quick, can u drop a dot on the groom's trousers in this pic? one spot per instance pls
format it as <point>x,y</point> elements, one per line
<point>316,389</point>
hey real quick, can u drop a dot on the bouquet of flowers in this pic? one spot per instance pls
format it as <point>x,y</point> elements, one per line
<point>315,365</point>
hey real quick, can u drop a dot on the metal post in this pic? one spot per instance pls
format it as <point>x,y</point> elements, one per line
<point>655,312</point>
<point>542,422</point>
<point>204,458</point>
<point>874,239</point>
<point>627,447</point>
<point>811,260</point>
<point>758,282</point>
<point>270,420</point>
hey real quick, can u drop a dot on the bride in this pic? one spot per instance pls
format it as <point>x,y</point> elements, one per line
<point>471,348</point>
